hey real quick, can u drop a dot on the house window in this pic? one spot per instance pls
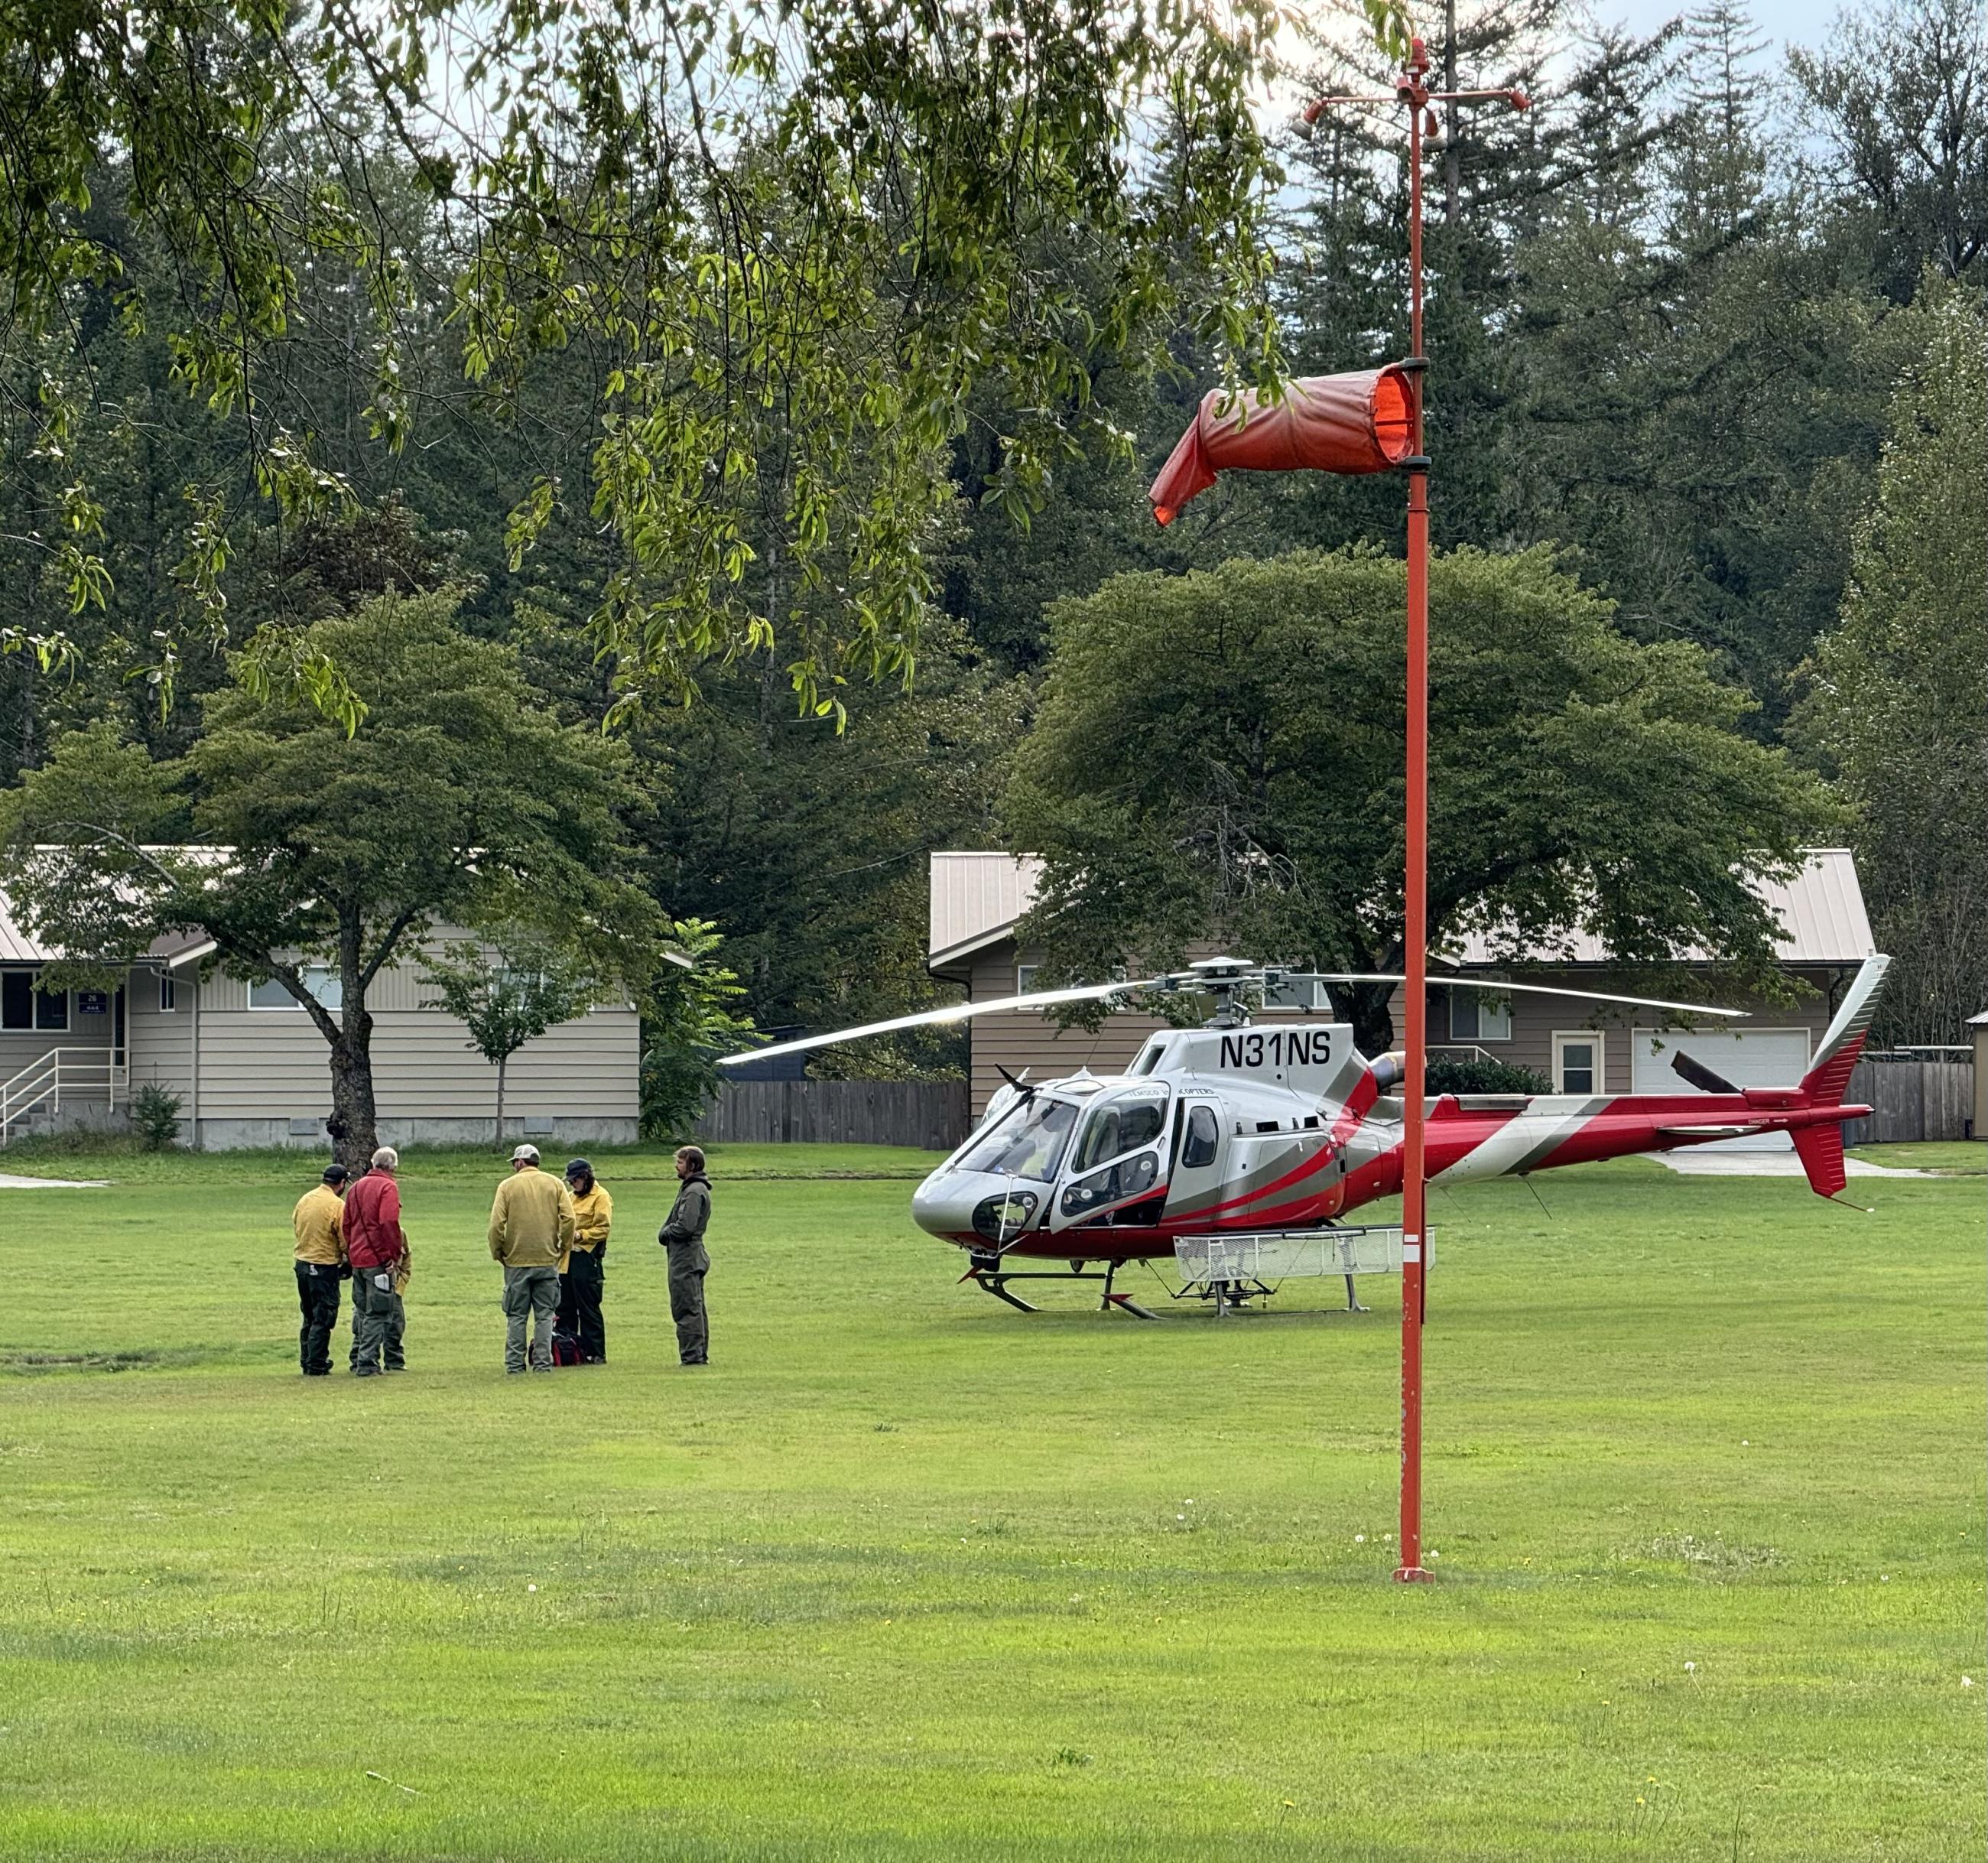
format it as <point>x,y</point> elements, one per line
<point>169,992</point>
<point>1578,1061</point>
<point>1025,978</point>
<point>1475,1015</point>
<point>23,1006</point>
<point>322,982</point>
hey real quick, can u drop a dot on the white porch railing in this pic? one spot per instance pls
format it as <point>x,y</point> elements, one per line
<point>91,1074</point>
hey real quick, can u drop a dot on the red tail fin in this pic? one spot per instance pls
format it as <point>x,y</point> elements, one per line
<point>1820,1148</point>
<point>1843,1042</point>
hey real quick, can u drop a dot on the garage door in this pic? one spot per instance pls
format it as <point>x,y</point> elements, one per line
<point>1747,1057</point>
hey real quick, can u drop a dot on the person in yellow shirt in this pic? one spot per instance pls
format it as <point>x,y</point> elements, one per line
<point>583,1272</point>
<point>531,1229</point>
<point>318,1223</point>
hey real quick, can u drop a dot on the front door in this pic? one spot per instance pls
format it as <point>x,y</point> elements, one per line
<point>1119,1161</point>
<point>1577,1068</point>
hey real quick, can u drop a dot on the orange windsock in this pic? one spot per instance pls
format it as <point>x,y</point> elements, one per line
<point>1362,422</point>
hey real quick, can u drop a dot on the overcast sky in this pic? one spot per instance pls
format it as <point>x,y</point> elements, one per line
<point>1806,23</point>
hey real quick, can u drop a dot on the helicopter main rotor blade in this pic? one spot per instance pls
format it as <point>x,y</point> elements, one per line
<point>952,1012</point>
<point>1527,989</point>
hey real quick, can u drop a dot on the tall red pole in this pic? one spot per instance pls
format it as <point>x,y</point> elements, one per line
<point>1413,89</point>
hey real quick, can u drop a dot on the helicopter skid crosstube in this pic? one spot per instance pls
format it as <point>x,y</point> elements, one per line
<point>992,1272</point>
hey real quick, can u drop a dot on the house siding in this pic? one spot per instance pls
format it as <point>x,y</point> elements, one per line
<point>271,1063</point>
<point>1536,1019</point>
<point>22,1049</point>
<point>160,1042</point>
<point>257,1076</point>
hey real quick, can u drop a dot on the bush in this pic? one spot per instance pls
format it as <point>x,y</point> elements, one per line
<point>1477,1075</point>
<point>155,1116</point>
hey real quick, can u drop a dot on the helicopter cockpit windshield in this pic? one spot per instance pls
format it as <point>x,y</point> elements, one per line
<point>1030,1146</point>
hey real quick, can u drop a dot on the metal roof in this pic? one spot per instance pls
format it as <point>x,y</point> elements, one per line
<point>975,900</point>
<point>977,897</point>
<point>18,945</point>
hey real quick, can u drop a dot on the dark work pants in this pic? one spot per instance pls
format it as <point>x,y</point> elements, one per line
<point>317,1299</point>
<point>379,1321</point>
<point>688,1265</point>
<point>580,1304</point>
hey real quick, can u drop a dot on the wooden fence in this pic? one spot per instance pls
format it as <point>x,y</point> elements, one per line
<point>928,1113</point>
<point>1910,1099</point>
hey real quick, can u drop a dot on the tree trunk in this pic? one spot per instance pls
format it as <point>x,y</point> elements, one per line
<point>1366,1006</point>
<point>501,1066</point>
<point>353,1124</point>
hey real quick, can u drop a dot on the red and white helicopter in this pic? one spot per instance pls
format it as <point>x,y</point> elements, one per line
<point>1231,1129</point>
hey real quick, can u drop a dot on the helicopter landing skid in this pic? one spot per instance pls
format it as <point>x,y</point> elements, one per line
<point>988,1273</point>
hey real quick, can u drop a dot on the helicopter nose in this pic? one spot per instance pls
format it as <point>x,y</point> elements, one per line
<point>943,1203</point>
<point>965,1203</point>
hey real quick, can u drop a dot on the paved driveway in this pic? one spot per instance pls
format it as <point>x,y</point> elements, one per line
<point>1765,1165</point>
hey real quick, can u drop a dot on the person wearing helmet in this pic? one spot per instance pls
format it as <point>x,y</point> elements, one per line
<point>583,1269</point>
<point>318,1226</point>
<point>531,1227</point>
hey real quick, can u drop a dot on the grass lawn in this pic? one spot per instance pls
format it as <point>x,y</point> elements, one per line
<point>907,1575</point>
<point>1952,1156</point>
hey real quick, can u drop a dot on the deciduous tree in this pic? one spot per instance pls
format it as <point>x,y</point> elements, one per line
<point>457,801</point>
<point>1218,756</point>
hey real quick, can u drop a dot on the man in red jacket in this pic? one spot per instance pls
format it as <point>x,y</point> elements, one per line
<point>376,1247</point>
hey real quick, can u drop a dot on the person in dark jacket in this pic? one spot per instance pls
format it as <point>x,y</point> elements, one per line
<point>682,1237</point>
<point>318,1225</point>
<point>377,1249</point>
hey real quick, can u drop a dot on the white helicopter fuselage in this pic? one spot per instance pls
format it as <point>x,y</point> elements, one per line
<point>1210,1130</point>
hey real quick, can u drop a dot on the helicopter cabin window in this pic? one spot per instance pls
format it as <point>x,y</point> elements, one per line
<point>1204,1135</point>
<point>1476,1015</point>
<point>1121,1124</point>
<point>1027,1142</point>
<point>1150,1057</point>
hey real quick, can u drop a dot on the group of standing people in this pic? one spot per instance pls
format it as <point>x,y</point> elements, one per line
<point>550,1235</point>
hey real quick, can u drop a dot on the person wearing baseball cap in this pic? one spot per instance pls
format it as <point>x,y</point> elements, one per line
<point>318,1226</point>
<point>376,1246</point>
<point>531,1227</point>
<point>583,1270</point>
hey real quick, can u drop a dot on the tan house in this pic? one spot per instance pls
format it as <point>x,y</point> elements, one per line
<point>977,898</point>
<point>250,1067</point>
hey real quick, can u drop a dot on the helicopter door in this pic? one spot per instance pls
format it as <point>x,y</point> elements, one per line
<point>1199,1152</point>
<point>1119,1159</point>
